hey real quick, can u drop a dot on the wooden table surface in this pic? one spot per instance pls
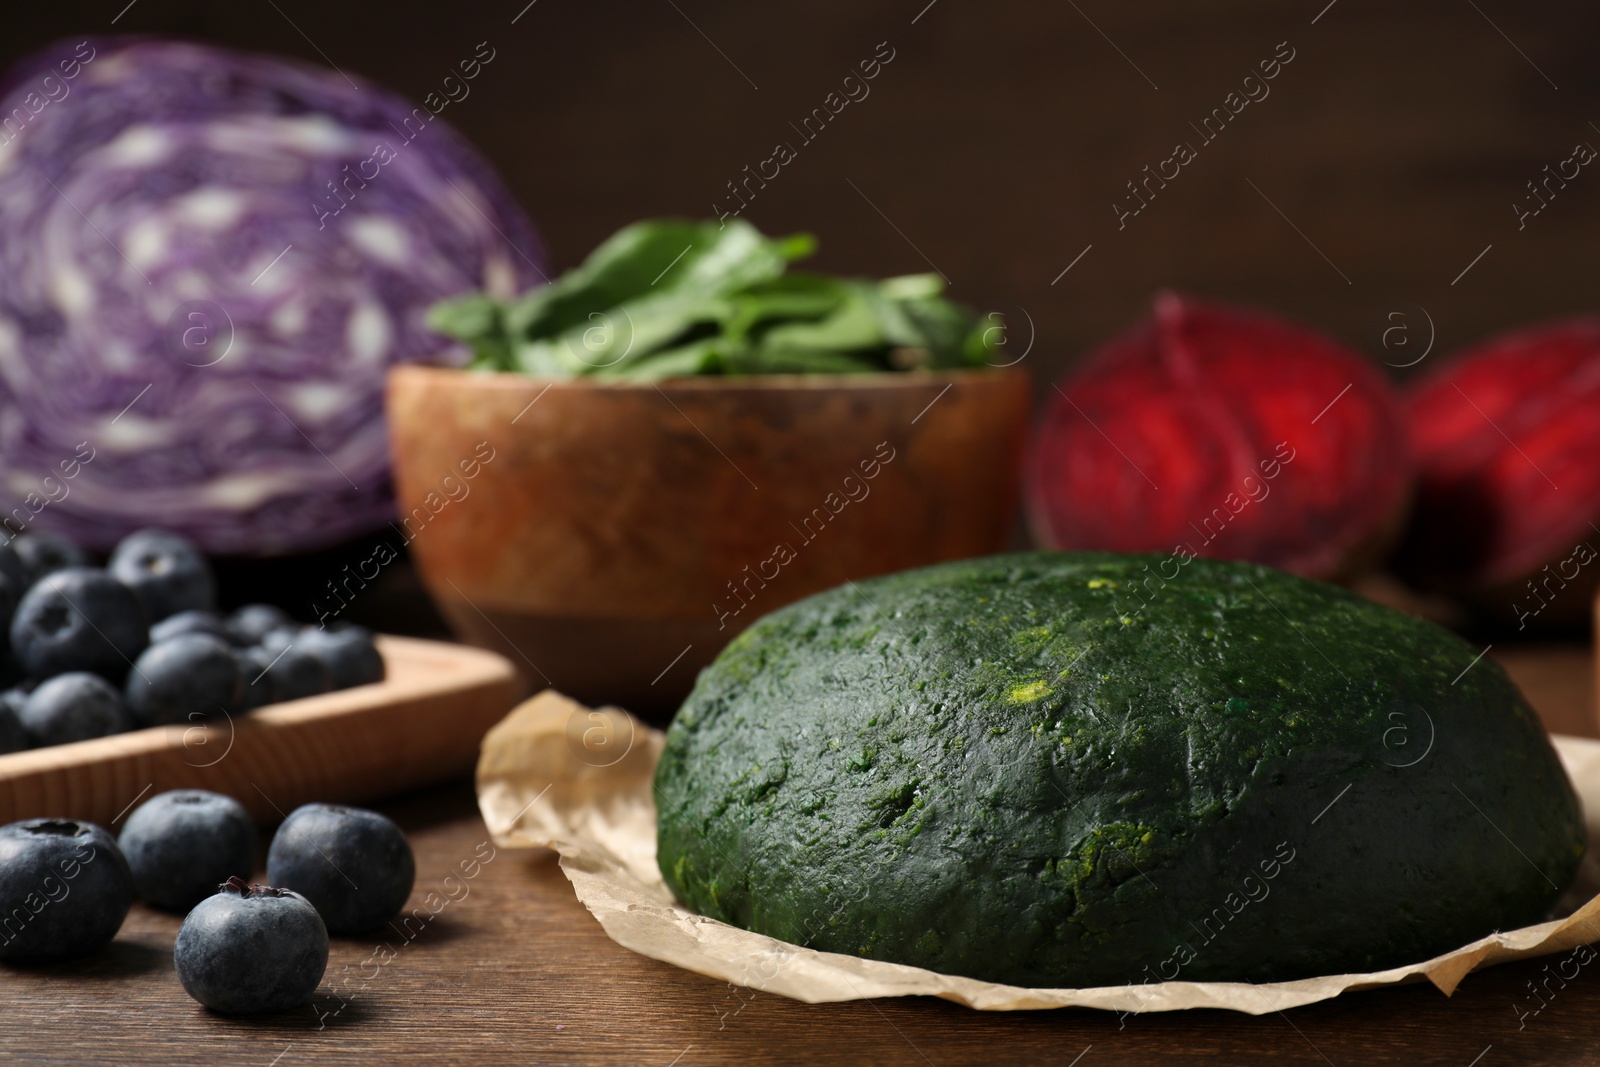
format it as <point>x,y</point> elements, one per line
<point>514,971</point>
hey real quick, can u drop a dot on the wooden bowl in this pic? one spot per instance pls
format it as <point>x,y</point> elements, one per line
<point>610,538</point>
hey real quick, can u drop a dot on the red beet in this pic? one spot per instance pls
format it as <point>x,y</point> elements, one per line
<point>1222,432</point>
<point>1506,438</point>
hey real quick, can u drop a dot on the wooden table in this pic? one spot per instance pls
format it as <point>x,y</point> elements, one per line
<point>514,971</point>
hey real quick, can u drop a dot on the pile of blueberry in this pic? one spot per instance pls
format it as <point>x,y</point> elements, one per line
<point>66,886</point>
<point>139,643</point>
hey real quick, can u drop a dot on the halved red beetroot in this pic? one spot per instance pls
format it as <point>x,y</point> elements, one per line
<point>1506,438</point>
<point>1222,432</point>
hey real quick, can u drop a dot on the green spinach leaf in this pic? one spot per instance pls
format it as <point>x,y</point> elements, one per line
<point>670,298</point>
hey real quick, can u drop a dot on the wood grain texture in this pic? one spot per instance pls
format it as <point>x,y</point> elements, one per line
<point>514,971</point>
<point>420,725</point>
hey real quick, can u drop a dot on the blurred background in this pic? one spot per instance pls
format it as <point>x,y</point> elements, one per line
<point>1372,191</point>
<point>996,142</point>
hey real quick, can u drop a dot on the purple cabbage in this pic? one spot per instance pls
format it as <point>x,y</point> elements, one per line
<point>208,260</point>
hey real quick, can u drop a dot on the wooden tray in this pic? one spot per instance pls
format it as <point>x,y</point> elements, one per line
<point>420,725</point>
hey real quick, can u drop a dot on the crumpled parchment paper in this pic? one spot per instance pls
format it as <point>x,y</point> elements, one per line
<point>555,774</point>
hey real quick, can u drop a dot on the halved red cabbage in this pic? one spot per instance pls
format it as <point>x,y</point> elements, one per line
<point>208,260</point>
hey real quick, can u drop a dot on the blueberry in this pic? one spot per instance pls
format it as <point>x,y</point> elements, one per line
<point>73,707</point>
<point>166,571</point>
<point>78,619</point>
<point>64,890</point>
<point>181,845</point>
<point>348,653</point>
<point>296,673</point>
<point>183,677</point>
<point>254,621</point>
<point>279,638</point>
<point>13,735</point>
<point>354,865</point>
<point>255,689</point>
<point>41,553</point>
<point>251,950</point>
<point>194,621</point>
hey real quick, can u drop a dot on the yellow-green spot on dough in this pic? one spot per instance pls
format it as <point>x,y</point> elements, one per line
<point>1037,636</point>
<point>1025,694</point>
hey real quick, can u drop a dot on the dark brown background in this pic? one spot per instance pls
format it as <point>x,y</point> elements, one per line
<point>998,138</point>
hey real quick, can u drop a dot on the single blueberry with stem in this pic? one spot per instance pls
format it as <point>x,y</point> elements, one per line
<point>251,949</point>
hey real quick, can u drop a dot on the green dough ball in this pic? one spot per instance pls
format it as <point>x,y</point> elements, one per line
<point>1065,769</point>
